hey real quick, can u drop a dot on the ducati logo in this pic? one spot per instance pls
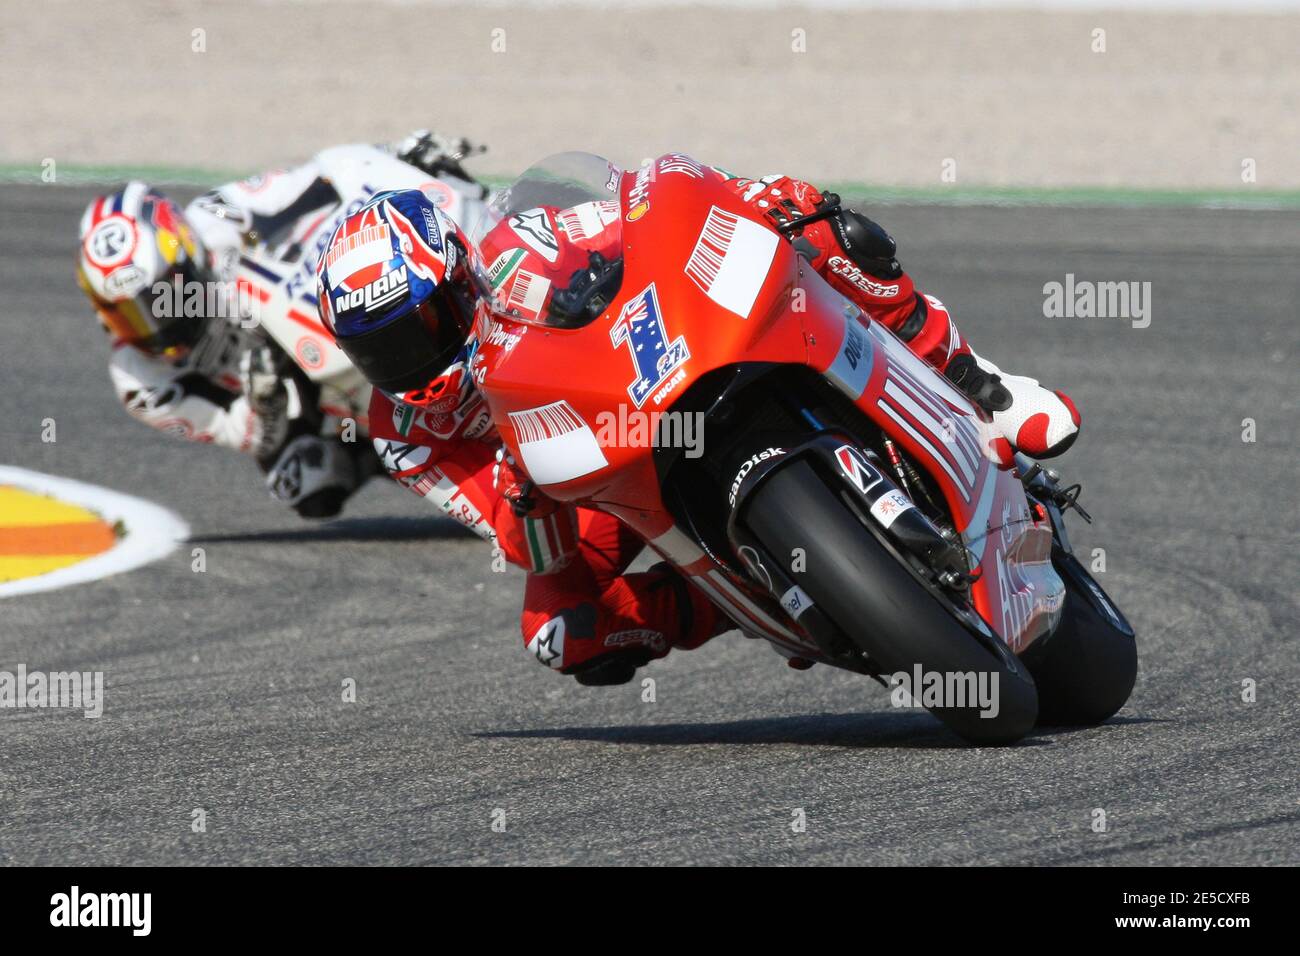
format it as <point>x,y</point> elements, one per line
<point>853,343</point>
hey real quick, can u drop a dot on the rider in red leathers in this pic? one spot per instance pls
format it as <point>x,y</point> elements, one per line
<point>584,614</point>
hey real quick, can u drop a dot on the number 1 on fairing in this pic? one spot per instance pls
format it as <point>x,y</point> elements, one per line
<point>641,326</point>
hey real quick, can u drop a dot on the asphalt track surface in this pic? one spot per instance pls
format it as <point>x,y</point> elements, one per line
<point>224,687</point>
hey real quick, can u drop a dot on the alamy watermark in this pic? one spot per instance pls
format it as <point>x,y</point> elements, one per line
<point>1084,299</point>
<point>633,428</point>
<point>955,689</point>
<point>179,298</point>
<point>21,689</point>
<point>132,911</point>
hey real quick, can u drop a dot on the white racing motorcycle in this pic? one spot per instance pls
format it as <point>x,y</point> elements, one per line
<point>277,283</point>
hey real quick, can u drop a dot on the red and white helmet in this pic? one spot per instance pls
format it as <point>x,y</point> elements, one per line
<point>135,244</point>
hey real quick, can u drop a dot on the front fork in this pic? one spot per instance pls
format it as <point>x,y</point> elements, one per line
<point>1043,486</point>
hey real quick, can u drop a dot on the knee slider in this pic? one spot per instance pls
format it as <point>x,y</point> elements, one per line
<point>672,578</point>
<point>610,670</point>
<point>915,322</point>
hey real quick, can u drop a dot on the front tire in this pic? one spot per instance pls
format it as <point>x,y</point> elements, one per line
<point>1086,669</point>
<point>889,611</point>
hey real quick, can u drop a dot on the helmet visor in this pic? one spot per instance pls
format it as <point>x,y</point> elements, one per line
<point>413,349</point>
<point>160,316</point>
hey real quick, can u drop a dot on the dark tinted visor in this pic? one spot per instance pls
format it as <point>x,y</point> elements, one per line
<point>175,327</point>
<point>412,350</point>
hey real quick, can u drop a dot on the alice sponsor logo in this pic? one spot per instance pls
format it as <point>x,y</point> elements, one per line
<point>1083,299</point>
<point>632,428</point>
<point>958,689</point>
<point>22,689</point>
<point>75,908</point>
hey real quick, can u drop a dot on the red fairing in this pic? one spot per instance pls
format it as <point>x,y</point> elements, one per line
<point>707,283</point>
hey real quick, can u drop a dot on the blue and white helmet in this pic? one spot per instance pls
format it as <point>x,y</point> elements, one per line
<point>397,288</point>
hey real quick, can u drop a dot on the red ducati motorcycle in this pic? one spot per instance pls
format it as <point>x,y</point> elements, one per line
<point>831,492</point>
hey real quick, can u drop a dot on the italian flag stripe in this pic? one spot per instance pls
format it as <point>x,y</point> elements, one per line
<point>507,268</point>
<point>538,546</point>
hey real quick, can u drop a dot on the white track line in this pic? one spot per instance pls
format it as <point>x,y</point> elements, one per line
<point>152,532</point>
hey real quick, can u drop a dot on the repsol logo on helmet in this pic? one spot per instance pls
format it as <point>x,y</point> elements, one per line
<point>747,467</point>
<point>389,287</point>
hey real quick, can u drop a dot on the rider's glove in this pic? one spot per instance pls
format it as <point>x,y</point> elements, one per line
<point>518,489</point>
<point>550,528</point>
<point>781,199</point>
<point>263,385</point>
<point>434,153</point>
<point>831,231</point>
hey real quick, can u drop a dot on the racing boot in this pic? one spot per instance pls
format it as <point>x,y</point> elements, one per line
<point>1036,420</point>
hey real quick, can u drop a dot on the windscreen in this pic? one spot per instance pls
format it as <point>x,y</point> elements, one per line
<point>573,289</point>
<point>563,180</point>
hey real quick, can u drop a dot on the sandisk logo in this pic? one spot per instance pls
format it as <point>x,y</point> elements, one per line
<point>860,280</point>
<point>747,467</point>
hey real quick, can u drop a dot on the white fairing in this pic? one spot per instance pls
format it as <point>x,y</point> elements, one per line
<point>280,279</point>
<point>353,168</point>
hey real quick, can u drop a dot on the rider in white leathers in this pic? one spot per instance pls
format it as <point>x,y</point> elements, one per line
<point>189,359</point>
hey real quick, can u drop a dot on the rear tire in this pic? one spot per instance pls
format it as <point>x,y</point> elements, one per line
<point>1085,671</point>
<point>887,610</point>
